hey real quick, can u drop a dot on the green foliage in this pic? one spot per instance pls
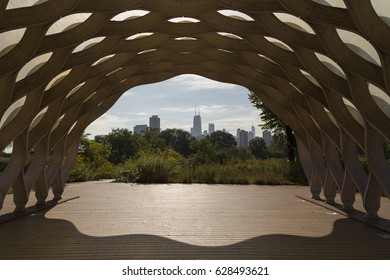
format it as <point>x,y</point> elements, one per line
<point>154,140</point>
<point>270,120</point>
<point>92,162</point>
<point>81,171</point>
<point>204,174</point>
<point>89,171</point>
<point>153,166</point>
<point>239,153</point>
<point>178,139</point>
<point>296,173</point>
<point>94,151</point>
<point>203,151</point>
<point>173,156</point>
<point>258,148</point>
<point>124,144</point>
<point>282,132</point>
<point>223,140</point>
<point>157,167</point>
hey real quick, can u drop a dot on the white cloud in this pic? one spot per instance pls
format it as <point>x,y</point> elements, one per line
<point>204,110</point>
<point>195,82</point>
<point>178,109</point>
<point>214,109</point>
<point>106,123</point>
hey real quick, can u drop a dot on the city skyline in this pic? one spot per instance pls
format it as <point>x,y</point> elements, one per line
<point>225,105</point>
<point>141,128</point>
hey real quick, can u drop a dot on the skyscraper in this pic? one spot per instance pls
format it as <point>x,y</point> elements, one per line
<point>211,128</point>
<point>196,130</point>
<point>140,129</point>
<point>243,140</point>
<point>154,123</point>
<point>267,136</point>
<point>250,136</point>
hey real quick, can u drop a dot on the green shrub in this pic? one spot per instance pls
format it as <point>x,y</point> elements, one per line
<point>105,170</point>
<point>296,174</point>
<point>85,170</point>
<point>81,171</point>
<point>170,167</point>
<point>204,174</point>
<point>152,166</point>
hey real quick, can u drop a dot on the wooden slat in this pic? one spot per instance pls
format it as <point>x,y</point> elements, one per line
<point>123,221</point>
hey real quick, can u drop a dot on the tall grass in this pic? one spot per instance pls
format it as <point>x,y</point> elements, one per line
<point>170,167</point>
<point>152,167</point>
<point>262,172</point>
<point>96,170</point>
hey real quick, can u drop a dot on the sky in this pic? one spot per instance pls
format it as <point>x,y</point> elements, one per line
<point>174,100</point>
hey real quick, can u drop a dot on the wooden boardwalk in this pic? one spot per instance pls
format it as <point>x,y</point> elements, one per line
<point>122,221</point>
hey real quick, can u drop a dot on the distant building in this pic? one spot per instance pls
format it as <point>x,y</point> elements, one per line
<point>253,130</point>
<point>140,129</point>
<point>243,139</point>
<point>211,128</point>
<point>267,136</point>
<point>238,136</point>
<point>250,136</point>
<point>196,130</point>
<point>154,123</point>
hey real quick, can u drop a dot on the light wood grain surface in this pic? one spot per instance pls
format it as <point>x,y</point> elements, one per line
<point>123,221</point>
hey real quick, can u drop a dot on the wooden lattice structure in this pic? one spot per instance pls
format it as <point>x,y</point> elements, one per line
<point>323,67</point>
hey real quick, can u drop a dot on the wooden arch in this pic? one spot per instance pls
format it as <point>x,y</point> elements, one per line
<point>324,67</point>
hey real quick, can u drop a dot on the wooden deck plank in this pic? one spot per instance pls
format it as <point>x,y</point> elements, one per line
<point>122,221</point>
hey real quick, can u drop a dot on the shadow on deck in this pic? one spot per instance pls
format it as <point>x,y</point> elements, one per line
<point>38,236</point>
<point>59,239</point>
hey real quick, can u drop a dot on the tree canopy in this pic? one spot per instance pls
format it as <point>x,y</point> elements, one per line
<point>223,139</point>
<point>178,139</point>
<point>280,129</point>
<point>258,148</point>
<point>124,144</point>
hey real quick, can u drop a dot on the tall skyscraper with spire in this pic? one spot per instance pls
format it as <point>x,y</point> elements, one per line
<point>196,130</point>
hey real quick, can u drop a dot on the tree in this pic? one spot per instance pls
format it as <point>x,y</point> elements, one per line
<point>258,148</point>
<point>178,139</point>
<point>223,140</point>
<point>94,151</point>
<point>92,161</point>
<point>124,144</point>
<point>274,123</point>
<point>203,151</point>
<point>154,140</point>
<point>101,139</point>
